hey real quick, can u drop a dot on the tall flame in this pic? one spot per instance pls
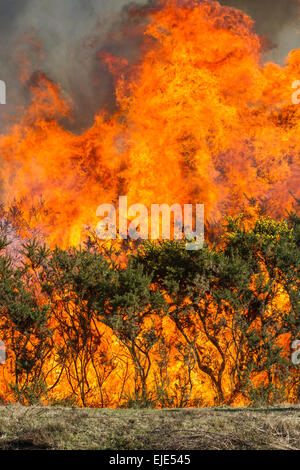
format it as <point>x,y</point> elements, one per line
<point>200,119</point>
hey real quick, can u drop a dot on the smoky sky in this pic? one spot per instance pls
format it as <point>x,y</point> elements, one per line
<point>62,38</point>
<point>278,20</point>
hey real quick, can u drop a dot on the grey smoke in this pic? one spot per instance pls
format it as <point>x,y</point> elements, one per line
<point>278,20</point>
<point>72,32</point>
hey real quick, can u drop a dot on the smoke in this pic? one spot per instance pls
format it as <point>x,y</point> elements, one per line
<point>277,20</point>
<point>63,39</point>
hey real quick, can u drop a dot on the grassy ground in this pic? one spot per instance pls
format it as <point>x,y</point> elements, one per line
<point>186,429</point>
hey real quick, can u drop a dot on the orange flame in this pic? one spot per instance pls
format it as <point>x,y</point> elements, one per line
<point>199,119</point>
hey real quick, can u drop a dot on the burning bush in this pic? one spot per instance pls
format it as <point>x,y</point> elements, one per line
<point>198,118</point>
<point>171,327</point>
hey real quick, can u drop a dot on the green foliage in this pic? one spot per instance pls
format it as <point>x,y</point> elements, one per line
<point>223,301</point>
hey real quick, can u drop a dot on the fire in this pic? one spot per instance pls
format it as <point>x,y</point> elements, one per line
<point>199,119</point>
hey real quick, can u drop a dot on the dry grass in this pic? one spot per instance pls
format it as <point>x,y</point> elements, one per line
<point>185,429</point>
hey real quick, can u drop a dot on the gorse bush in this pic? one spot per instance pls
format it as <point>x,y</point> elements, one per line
<point>168,328</point>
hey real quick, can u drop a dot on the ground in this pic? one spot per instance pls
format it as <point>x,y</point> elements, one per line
<point>174,429</point>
